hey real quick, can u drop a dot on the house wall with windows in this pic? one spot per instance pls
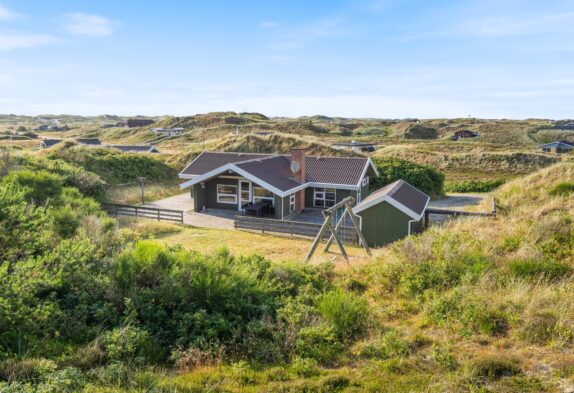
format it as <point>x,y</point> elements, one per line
<point>318,197</point>
<point>224,193</point>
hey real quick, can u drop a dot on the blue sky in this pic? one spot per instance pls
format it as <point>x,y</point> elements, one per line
<point>356,58</point>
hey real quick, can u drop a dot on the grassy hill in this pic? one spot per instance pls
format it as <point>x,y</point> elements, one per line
<point>504,149</point>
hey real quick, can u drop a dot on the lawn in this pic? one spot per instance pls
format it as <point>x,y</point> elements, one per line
<point>275,247</point>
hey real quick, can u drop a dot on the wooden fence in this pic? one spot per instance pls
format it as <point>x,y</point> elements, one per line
<point>292,228</point>
<point>143,212</point>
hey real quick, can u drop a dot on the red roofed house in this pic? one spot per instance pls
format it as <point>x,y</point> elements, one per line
<point>277,185</point>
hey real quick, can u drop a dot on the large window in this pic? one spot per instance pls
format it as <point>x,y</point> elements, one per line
<point>261,194</point>
<point>227,193</point>
<point>324,197</point>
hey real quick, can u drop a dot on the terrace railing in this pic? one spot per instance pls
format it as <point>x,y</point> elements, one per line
<point>292,228</point>
<point>143,212</point>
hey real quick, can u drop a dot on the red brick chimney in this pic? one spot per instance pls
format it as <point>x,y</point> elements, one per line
<point>298,157</point>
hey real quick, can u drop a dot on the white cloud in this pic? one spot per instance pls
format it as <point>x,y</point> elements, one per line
<point>6,14</point>
<point>89,25</point>
<point>14,41</point>
<point>269,24</point>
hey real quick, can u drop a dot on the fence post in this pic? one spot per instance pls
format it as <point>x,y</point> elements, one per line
<point>158,214</point>
<point>136,212</point>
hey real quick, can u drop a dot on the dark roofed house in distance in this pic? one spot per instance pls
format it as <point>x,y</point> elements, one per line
<point>557,147</point>
<point>139,122</point>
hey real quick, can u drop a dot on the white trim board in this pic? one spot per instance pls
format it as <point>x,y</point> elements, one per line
<point>394,203</point>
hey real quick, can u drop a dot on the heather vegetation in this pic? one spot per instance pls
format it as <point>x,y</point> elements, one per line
<point>91,304</point>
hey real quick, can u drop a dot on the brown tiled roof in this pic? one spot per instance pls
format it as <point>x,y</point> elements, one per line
<point>275,171</point>
<point>208,161</point>
<point>334,170</point>
<point>330,170</point>
<point>403,193</point>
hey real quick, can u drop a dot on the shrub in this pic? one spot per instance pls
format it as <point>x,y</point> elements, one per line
<point>562,189</point>
<point>473,185</point>
<point>39,185</point>
<point>388,346</point>
<point>319,343</point>
<point>531,269</point>
<point>539,328</point>
<point>444,357</point>
<point>65,222</point>
<point>474,315</point>
<point>305,367</point>
<point>493,367</point>
<point>25,370</point>
<point>346,312</point>
<point>426,179</point>
<point>130,344</point>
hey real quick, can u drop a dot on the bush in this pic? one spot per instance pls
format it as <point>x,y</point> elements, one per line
<point>473,185</point>
<point>127,344</point>
<point>39,185</point>
<point>26,370</point>
<point>388,346</point>
<point>65,222</point>
<point>304,367</point>
<point>473,315</point>
<point>426,179</point>
<point>494,367</point>
<point>563,189</point>
<point>347,313</point>
<point>532,269</point>
<point>319,343</point>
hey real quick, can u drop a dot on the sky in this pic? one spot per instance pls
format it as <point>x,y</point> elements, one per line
<point>352,58</point>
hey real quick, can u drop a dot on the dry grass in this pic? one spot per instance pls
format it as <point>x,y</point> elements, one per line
<point>275,247</point>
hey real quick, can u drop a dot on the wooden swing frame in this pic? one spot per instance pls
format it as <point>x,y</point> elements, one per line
<point>329,215</point>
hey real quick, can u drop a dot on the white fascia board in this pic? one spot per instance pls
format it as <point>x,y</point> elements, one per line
<point>234,168</point>
<point>182,174</point>
<point>392,202</point>
<point>372,164</point>
<point>368,164</point>
<point>205,176</point>
<point>255,179</point>
<point>187,176</point>
<point>333,185</point>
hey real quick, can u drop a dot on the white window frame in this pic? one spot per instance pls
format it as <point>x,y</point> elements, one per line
<point>291,203</point>
<point>256,199</point>
<point>319,193</point>
<point>221,194</point>
<point>365,181</point>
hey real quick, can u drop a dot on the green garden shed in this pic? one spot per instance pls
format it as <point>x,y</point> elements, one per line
<point>392,213</point>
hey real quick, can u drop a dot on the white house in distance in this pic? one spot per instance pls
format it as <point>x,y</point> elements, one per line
<point>357,147</point>
<point>167,131</point>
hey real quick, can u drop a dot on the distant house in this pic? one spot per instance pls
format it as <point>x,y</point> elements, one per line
<point>88,141</point>
<point>46,143</point>
<point>358,147</point>
<point>134,148</point>
<point>45,127</point>
<point>392,213</point>
<point>557,147</point>
<point>464,134</point>
<point>139,122</point>
<point>167,131</point>
<point>564,126</point>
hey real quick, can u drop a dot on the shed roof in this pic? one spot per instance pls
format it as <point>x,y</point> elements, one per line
<point>401,195</point>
